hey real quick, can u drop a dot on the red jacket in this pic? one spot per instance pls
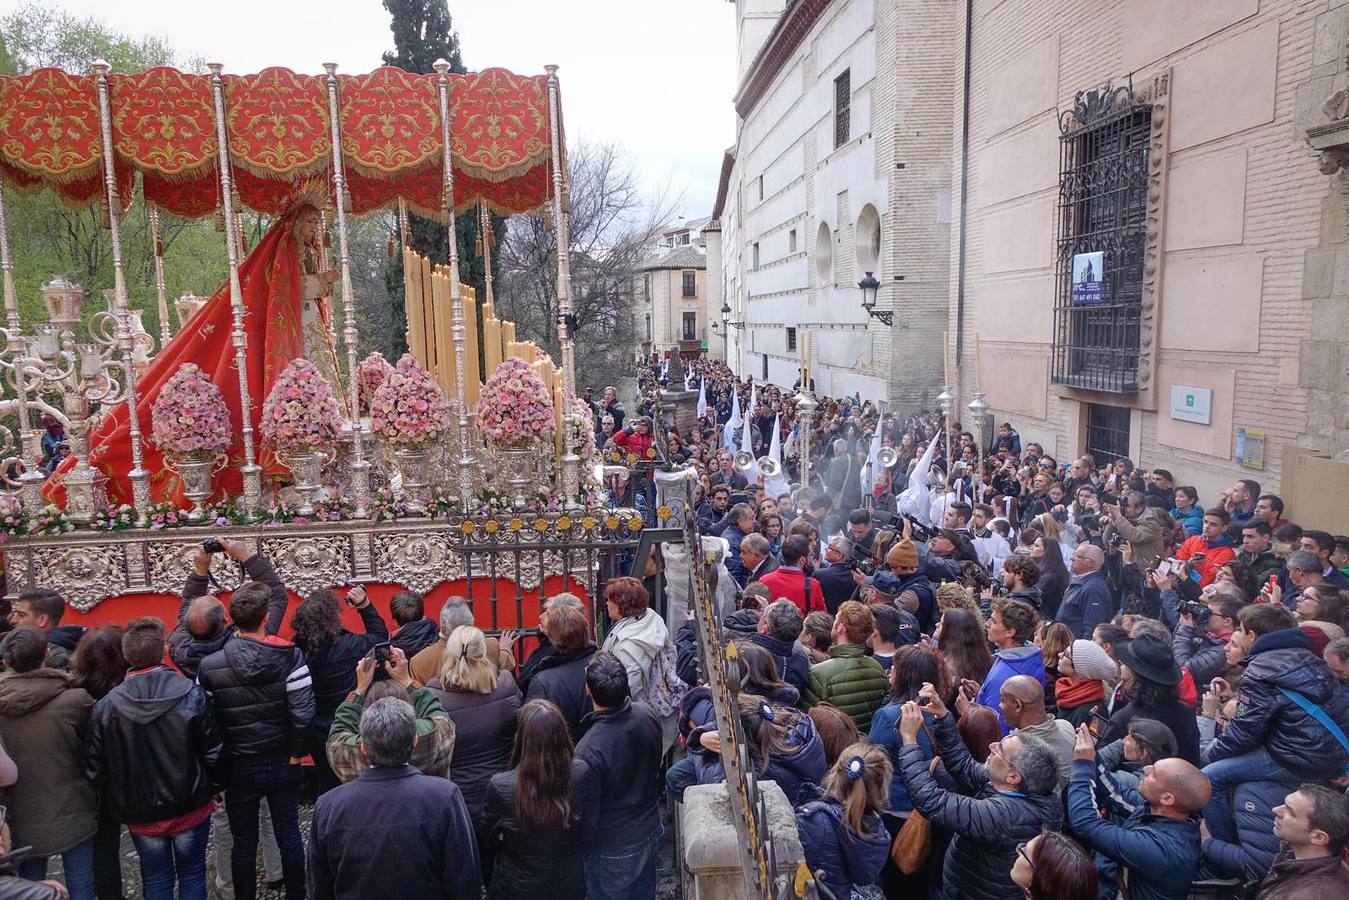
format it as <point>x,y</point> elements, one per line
<point>633,442</point>
<point>788,583</point>
<point>1214,557</point>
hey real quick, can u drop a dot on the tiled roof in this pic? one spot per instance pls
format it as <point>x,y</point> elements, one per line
<point>685,257</point>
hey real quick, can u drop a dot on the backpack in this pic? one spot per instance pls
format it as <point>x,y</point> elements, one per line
<point>664,689</point>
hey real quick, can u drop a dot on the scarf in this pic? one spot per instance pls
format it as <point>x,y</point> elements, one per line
<point>1070,694</point>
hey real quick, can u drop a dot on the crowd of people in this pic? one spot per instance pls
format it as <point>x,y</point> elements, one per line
<point>1053,681</point>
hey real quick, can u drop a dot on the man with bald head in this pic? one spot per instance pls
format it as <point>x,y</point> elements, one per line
<point>1158,842</point>
<point>1088,601</point>
<point>1022,699</point>
<point>203,626</point>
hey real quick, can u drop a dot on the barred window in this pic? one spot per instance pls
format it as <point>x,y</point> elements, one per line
<point>690,283</point>
<point>842,108</point>
<point>1107,432</point>
<point>1101,230</point>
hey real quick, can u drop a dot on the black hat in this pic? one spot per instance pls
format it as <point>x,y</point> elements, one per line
<point>1149,657</point>
<point>964,550</point>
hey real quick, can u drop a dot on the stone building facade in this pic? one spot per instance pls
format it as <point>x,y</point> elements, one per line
<point>670,302</point>
<point>841,167</point>
<point>1214,318</point>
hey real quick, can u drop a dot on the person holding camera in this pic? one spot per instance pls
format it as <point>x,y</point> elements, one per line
<point>263,694</point>
<point>1137,523</point>
<point>332,652</point>
<point>1203,633</point>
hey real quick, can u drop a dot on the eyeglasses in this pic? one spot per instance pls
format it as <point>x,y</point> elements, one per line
<point>1023,851</point>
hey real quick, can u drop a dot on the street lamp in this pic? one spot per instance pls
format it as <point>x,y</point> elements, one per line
<point>726,333</point>
<point>869,286</point>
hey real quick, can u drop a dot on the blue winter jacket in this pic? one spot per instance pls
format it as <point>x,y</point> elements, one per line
<point>885,734</point>
<point>1192,521</point>
<point>1161,854</point>
<point>847,858</point>
<point>1086,604</point>
<point>1253,852</point>
<point>1266,717</point>
<point>1024,660</point>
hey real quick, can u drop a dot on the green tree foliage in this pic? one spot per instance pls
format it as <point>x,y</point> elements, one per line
<point>422,34</point>
<point>49,238</point>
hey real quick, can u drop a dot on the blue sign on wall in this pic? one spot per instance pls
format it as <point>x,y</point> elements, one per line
<point>1087,271</point>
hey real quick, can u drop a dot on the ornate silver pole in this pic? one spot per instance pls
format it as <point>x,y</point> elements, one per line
<point>251,471</point>
<point>977,409</point>
<point>805,415</point>
<point>30,444</point>
<point>571,472</point>
<point>140,478</point>
<point>484,233</point>
<point>466,463</point>
<point>162,295</point>
<point>360,466</point>
<point>404,227</point>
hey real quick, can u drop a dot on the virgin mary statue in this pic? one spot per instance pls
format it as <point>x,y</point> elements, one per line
<point>286,315</point>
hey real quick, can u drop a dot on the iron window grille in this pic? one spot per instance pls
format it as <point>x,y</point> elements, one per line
<point>690,284</point>
<point>842,108</point>
<point>1107,432</point>
<point>791,340</point>
<point>690,326</point>
<point>1102,210</point>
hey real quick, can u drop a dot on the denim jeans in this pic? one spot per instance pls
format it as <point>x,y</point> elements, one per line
<point>1226,774</point>
<point>625,873</point>
<point>77,865</point>
<point>251,779</point>
<point>680,777</point>
<point>181,860</point>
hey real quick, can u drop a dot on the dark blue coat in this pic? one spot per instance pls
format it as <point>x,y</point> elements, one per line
<point>847,858</point>
<point>393,817</point>
<point>1251,856</point>
<point>793,663</point>
<point>836,581</point>
<point>1086,604</point>
<point>1161,854</point>
<point>1268,718</point>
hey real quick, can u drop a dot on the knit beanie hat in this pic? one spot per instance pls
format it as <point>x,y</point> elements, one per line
<point>903,553</point>
<point>1091,662</point>
<point>1319,634</point>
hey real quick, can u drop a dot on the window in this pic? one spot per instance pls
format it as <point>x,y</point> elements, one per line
<point>868,239</point>
<point>1101,230</point>
<point>648,327</point>
<point>684,238</point>
<point>842,108</point>
<point>690,283</point>
<point>791,340</point>
<point>760,187</point>
<point>791,241</point>
<point>690,326</point>
<point>756,255</point>
<point>646,287</point>
<point>1107,432</point>
<point>765,367</point>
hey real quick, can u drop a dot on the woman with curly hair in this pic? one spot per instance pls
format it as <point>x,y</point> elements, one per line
<point>332,653</point>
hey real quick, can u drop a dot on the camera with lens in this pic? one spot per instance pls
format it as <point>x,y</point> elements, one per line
<point>212,545</point>
<point>922,532</point>
<point>862,561</point>
<point>1118,540</point>
<point>1200,611</point>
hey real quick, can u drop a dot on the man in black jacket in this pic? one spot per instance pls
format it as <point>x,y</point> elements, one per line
<point>264,698</point>
<point>1006,802</point>
<point>202,627</point>
<point>415,632</point>
<point>622,747</point>
<point>777,632</point>
<point>153,749</point>
<point>835,577</point>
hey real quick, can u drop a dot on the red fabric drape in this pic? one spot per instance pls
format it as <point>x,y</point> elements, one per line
<point>270,279</point>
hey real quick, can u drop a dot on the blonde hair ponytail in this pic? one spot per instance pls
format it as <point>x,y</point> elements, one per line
<point>464,665</point>
<point>860,781</point>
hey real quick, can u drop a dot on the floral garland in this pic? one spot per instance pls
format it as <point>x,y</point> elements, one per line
<point>409,409</point>
<point>515,405</point>
<point>301,413</point>
<point>373,371</point>
<point>189,418</point>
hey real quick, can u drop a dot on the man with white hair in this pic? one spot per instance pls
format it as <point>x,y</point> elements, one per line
<point>1087,602</point>
<point>393,832</point>
<point>456,612</point>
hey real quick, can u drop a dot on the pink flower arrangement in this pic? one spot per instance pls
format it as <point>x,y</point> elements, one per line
<point>301,413</point>
<point>189,417</point>
<point>409,409</point>
<point>583,432</point>
<point>372,372</point>
<point>515,405</point>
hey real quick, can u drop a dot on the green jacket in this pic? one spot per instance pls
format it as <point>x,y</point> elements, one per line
<point>435,736</point>
<point>850,680</point>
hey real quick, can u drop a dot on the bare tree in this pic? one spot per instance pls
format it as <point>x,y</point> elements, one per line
<point>612,223</point>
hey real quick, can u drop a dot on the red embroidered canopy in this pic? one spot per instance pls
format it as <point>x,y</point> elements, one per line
<point>278,131</point>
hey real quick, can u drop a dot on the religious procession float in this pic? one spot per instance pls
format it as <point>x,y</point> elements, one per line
<point>467,466</point>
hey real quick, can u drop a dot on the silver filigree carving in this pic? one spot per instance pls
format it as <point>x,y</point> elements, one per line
<point>171,563</point>
<point>417,560</point>
<point>84,575</point>
<point>307,564</point>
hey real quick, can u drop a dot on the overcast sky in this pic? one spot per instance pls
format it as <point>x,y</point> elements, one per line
<point>657,77</point>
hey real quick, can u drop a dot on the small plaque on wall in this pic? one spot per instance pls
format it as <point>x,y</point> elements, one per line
<point>1192,404</point>
<point>1250,448</point>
